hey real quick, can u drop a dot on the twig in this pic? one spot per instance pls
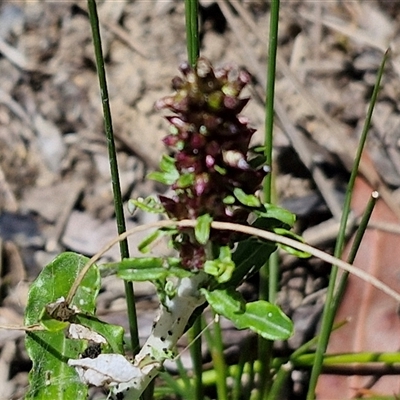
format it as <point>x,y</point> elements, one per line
<point>246,230</point>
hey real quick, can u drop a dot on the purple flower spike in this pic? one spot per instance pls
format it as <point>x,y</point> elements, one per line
<point>210,141</point>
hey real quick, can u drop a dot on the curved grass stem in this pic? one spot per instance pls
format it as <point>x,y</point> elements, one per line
<point>248,230</point>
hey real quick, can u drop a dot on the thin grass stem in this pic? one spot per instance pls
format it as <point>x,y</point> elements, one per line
<point>192,30</point>
<point>195,352</point>
<point>112,155</point>
<point>192,43</point>
<point>354,248</point>
<point>350,358</point>
<point>281,378</point>
<point>330,306</point>
<point>285,366</point>
<point>177,387</point>
<point>184,377</point>
<point>270,93</point>
<point>240,368</point>
<point>216,346</point>
<point>269,275</point>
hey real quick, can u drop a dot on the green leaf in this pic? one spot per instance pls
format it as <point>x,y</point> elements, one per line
<point>288,249</point>
<point>202,228</point>
<point>247,199</point>
<point>145,245</point>
<point>268,320</point>
<point>138,263</point>
<point>169,174</point>
<point>264,318</point>
<point>222,267</point>
<point>226,302</point>
<point>149,204</point>
<point>250,255</point>
<point>150,274</point>
<point>229,200</point>
<point>51,377</point>
<point>167,178</point>
<point>167,163</point>
<point>148,268</point>
<point>114,334</point>
<point>272,211</point>
<point>185,180</point>
<point>220,170</point>
<point>51,324</point>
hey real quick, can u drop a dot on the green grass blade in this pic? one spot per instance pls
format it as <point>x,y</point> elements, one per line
<point>112,154</point>
<point>306,360</point>
<point>238,372</point>
<point>269,273</point>
<point>330,308</point>
<point>174,387</point>
<point>192,43</point>
<point>216,346</point>
<point>185,379</point>
<point>354,248</point>
<point>270,93</point>
<point>195,352</point>
<point>192,30</point>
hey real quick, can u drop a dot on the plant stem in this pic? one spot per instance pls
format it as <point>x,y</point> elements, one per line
<point>269,275</point>
<point>159,346</point>
<point>238,375</point>
<point>112,155</point>
<point>216,346</point>
<point>330,306</point>
<point>195,352</point>
<point>248,230</point>
<point>192,30</point>
<point>192,43</point>
<point>270,93</point>
<point>354,247</point>
<point>349,358</point>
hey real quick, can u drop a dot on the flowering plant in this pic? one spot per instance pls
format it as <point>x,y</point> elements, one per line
<point>214,177</point>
